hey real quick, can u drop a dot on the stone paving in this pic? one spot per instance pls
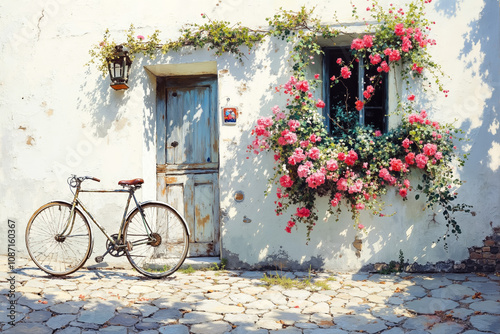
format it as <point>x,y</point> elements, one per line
<point>123,301</point>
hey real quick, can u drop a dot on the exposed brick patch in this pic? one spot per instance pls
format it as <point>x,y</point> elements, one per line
<point>484,258</point>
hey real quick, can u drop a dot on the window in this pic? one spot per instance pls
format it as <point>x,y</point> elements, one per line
<point>345,93</point>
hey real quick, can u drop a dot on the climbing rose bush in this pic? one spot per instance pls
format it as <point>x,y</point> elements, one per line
<point>355,165</point>
<point>354,170</point>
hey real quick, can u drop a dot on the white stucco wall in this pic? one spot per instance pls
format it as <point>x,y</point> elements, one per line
<point>59,117</point>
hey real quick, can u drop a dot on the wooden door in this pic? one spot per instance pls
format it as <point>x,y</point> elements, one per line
<point>188,156</point>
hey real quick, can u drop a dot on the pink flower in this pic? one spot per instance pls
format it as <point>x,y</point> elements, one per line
<point>417,68</point>
<point>360,206</point>
<point>288,137</point>
<point>407,143</point>
<point>359,105</point>
<point>339,61</point>
<point>411,97</point>
<point>368,41</point>
<point>352,156</point>
<point>293,124</point>
<point>286,181</point>
<point>316,76</point>
<point>303,170</point>
<point>304,143</point>
<point>265,122</point>
<point>438,155</point>
<point>357,44</point>
<point>261,131</point>
<point>383,67</point>
<point>356,187</point>
<point>375,59</point>
<point>399,29</point>
<point>342,184</point>
<point>333,78</point>
<point>345,73</point>
<point>378,133</point>
<point>406,183</point>
<point>421,160</point>
<point>302,85</point>
<point>296,157</point>
<point>332,165</point>
<point>140,37</point>
<point>289,226</point>
<point>430,149</point>
<point>403,192</point>
<point>303,212</point>
<point>341,156</point>
<point>406,46</point>
<point>410,158</point>
<point>320,104</point>
<point>384,174</point>
<point>315,180</point>
<point>361,226</point>
<point>313,153</point>
<point>394,56</point>
<point>395,165</point>
<point>313,138</point>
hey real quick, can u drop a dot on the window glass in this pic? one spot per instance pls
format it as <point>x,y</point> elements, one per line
<point>341,97</point>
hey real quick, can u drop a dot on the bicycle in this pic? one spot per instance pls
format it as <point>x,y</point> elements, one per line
<point>153,235</point>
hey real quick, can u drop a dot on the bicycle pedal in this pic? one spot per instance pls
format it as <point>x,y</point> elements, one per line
<point>99,259</point>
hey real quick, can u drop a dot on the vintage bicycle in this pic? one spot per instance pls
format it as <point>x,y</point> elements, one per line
<point>153,236</point>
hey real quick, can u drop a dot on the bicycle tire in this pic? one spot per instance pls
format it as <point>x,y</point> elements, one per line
<point>55,255</point>
<point>167,253</point>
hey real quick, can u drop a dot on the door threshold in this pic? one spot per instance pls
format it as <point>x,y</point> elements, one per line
<point>198,263</point>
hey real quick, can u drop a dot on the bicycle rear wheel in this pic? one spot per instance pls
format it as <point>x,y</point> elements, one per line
<point>55,253</point>
<point>165,254</point>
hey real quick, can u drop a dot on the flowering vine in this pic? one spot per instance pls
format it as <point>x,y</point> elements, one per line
<point>352,164</point>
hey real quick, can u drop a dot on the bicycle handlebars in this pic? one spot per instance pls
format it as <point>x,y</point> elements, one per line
<point>74,180</point>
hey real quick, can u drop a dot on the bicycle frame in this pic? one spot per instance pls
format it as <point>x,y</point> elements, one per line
<point>77,202</point>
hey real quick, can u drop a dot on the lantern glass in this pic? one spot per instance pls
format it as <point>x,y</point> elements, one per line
<point>119,68</point>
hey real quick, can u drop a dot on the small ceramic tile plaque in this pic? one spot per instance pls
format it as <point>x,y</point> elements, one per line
<point>230,115</point>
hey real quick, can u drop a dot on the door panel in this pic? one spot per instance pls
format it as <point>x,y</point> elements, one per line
<point>196,197</point>
<point>190,129</point>
<point>187,165</point>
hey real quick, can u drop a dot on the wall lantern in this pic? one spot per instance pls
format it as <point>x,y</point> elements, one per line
<point>119,68</point>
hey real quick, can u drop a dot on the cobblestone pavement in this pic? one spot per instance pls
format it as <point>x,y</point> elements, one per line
<point>122,301</point>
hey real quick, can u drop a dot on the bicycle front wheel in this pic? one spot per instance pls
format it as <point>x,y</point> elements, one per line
<point>56,247</point>
<point>163,251</point>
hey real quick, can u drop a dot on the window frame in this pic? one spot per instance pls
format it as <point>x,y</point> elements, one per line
<point>326,69</point>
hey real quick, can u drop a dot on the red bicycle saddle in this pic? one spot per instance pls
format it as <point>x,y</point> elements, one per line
<point>131,182</point>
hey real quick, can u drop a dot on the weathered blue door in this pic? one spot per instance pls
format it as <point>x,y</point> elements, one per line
<point>188,156</point>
